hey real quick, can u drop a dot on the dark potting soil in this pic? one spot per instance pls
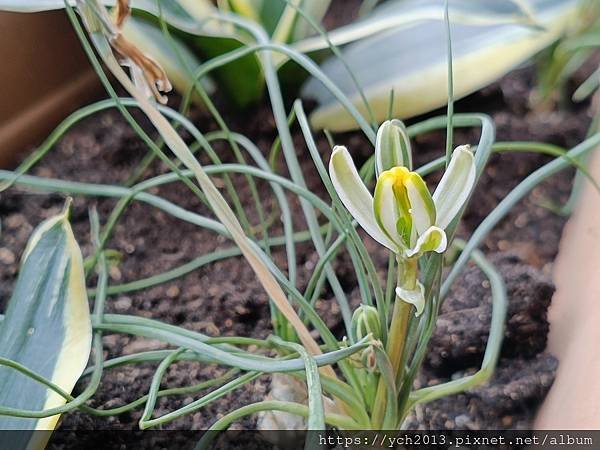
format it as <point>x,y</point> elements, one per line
<point>225,299</point>
<point>525,371</point>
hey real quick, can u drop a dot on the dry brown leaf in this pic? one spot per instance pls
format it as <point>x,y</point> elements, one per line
<point>122,12</point>
<point>145,70</point>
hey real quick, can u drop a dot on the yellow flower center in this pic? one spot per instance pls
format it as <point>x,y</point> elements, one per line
<point>405,187</point>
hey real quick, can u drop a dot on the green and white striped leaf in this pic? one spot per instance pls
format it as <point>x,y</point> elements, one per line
<point>411,60</point>
<point>178,13</point>
<point>39,5</point>
<point>46,328</point>
<point>397,14</point>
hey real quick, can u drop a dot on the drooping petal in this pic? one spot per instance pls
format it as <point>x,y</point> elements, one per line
<point>354,194</point>
<point>392,147</point>
<point>422,207</point>
<point>415,297</point>
<point>386,209</point>
<point>433,240</point>
<point>455,186</point>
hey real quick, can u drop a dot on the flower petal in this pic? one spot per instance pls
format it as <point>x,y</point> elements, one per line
<point>385,208</point>
<point>433,240</point>
<point>422,208</point>
<point>455,186</point>
<point>392,148</point>
<point>354,194</point>
<point>415,297</point>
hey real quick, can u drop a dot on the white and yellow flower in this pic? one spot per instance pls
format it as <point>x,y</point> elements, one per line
<point>402,215</point>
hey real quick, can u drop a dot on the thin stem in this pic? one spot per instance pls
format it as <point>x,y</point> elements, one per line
<point>407,278</point>
<point>450,127</point>
<point>493,347</point>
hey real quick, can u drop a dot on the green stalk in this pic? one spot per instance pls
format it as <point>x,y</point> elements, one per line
<point>407,278</point>
<point>493,347</point>
<point>450,127</point>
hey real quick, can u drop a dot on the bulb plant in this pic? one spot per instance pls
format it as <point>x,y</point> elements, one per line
<point>404,217</point>
<point>363,379</point>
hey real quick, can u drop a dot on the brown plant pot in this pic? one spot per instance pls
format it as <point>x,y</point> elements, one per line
<point>44,76</point>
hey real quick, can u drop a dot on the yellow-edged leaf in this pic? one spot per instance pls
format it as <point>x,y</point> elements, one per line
<point>46,328</point>
<point>411,61</point>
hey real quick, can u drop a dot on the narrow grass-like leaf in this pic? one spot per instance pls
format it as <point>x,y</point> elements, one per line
<point>47,327</point>
<point>387,375</point>
<point>315,9</point>
<point>218,203</point>
<point>155,386</point>
<point>316,410</point>
<point>214,354</point>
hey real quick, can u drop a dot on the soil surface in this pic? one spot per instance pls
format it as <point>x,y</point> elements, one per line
<point>225,299</point>
<point>524,373</point>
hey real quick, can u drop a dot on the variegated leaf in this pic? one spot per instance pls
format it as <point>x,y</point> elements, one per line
<point>46,328</point>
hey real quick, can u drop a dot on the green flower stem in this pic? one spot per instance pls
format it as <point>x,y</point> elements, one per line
<point>407,278</point>
<point>494,344</point>
<point>450,114</point>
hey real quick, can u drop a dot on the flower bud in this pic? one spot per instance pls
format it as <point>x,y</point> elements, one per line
<point>365,320</point>
<point>392,148</point>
